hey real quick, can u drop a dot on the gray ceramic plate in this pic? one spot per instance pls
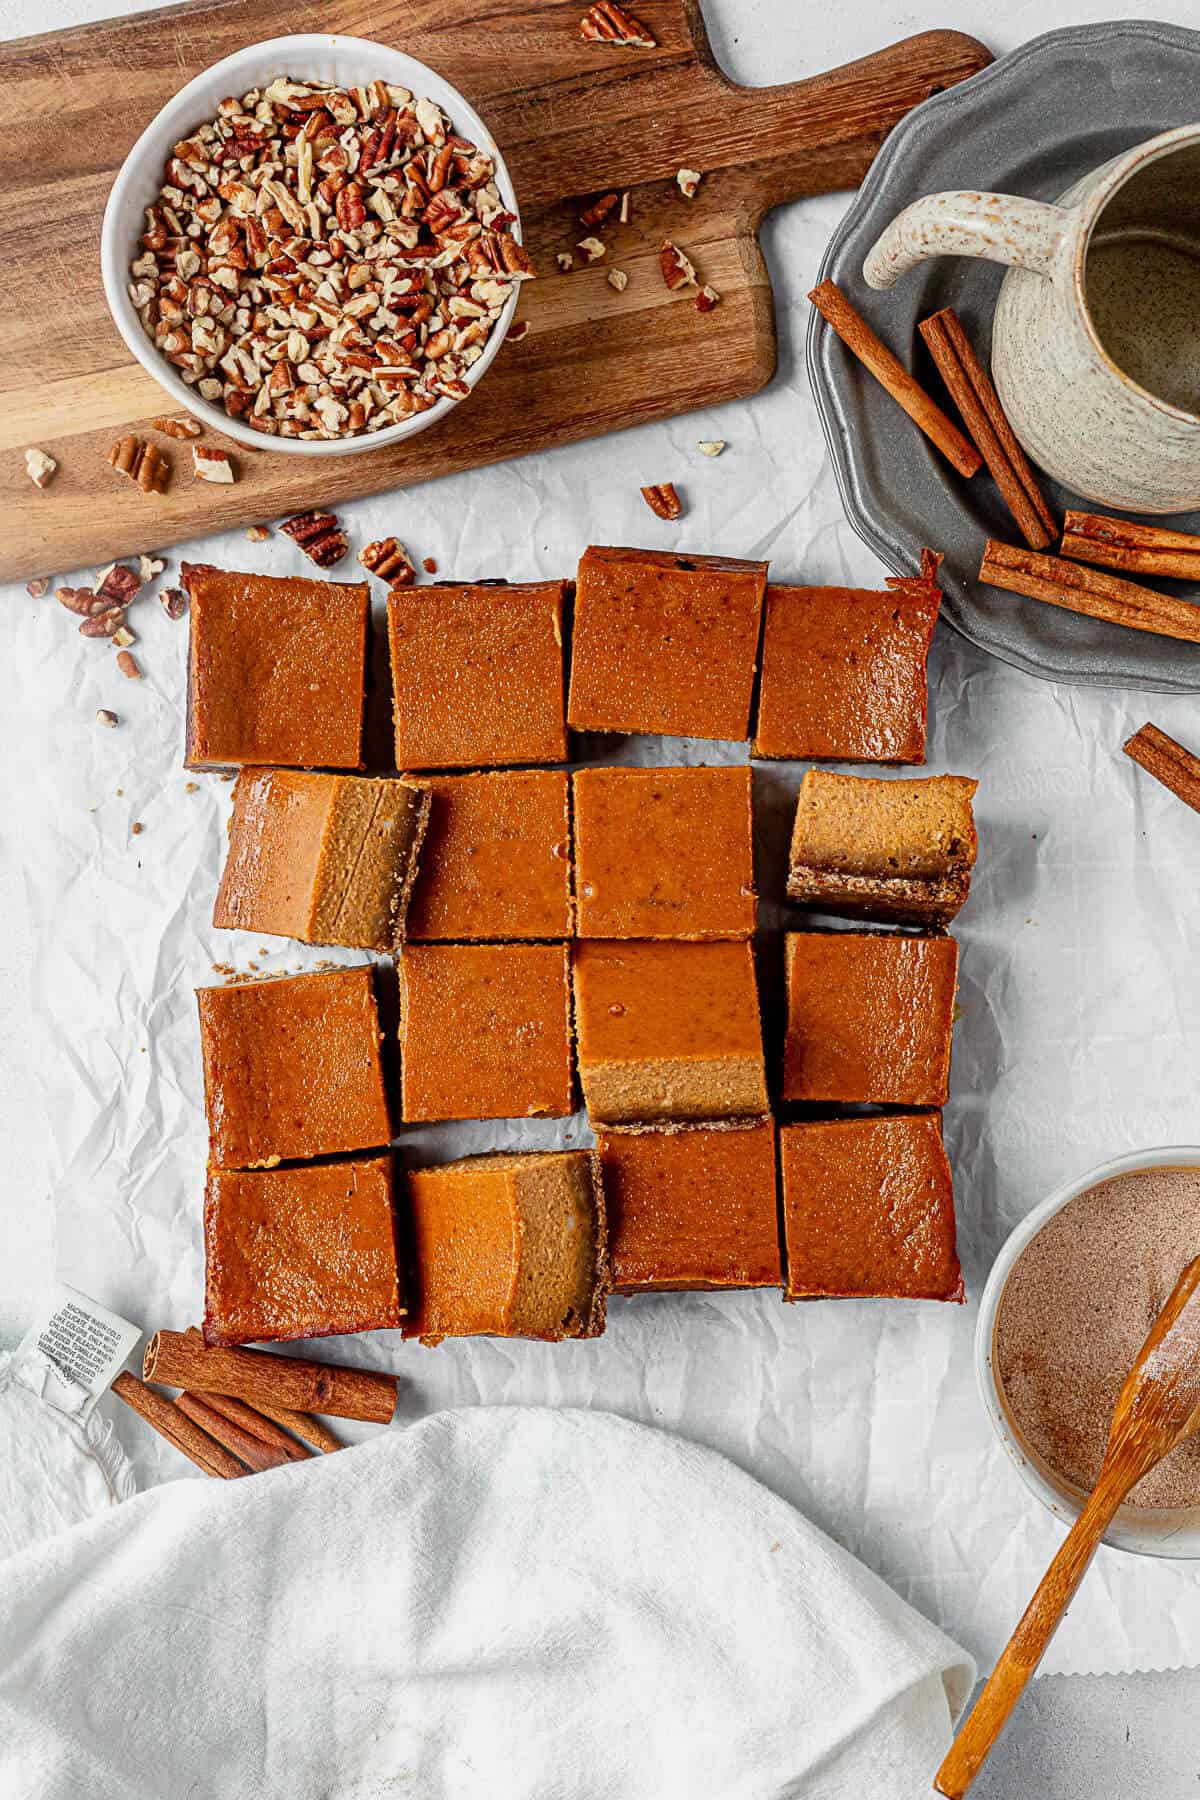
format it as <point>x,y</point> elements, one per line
<point>1031,124</point>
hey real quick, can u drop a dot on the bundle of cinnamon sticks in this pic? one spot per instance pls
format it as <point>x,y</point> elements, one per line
<point>244,1411</point>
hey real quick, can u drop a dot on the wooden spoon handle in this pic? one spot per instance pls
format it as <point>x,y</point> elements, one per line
<point>1027,1645</point>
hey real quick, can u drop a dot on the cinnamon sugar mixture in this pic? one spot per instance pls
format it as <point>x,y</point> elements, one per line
<point>1076,1310</point>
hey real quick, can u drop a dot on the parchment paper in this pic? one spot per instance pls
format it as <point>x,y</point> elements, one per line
<point>1080,992</point>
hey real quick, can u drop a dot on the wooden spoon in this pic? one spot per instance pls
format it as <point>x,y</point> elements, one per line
<point>1156,1409</point>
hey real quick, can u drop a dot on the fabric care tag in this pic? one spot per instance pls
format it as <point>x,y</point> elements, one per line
<point>72,1351</point>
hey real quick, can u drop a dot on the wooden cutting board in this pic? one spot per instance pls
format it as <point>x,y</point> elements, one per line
<point>572,119</point>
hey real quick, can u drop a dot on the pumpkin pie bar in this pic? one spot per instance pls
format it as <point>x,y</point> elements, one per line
<point>843,670</point>
<point>508,1245</point>
<point>292,1068</point>
<point>668,1031</point>
<point>692,1207</point>
<point>497,858</point>
<point>869,1017</point>
<point>665,643</point>
<point>900,851</point>
<point>485,1031</point>
<point>477,674</point>
<point>327,859</point>
<point>868,1209</point>
<point>300,1252</point>
<point>664,853</point>
<point>276,670</point>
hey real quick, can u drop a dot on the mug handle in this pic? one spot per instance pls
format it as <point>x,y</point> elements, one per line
<point>1004,228</point>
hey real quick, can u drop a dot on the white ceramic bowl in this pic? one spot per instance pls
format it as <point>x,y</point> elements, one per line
<point>1147,1531</point>
<point>346,61</point>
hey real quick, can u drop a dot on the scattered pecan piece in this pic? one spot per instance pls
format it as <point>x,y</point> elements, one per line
<point>608,23</point>
<point>388,559</point>
<point>103,624</point>
<point>191,787</point>
<point>625,213</point>
<point>258,534</point>
<point>519,330</point>
<point>142,462</point>
<point>429,564</point>
<point>174,602</point>
<point>117,585</point>
<point>38,588</point>
<point>565,261</point>
<point>150,566</point>
<point>80,600</point>
<point>618,279</point>
<point>711,446</point>
<point>319,535</point>
<point>108,719</point>
<point>591,249</point>
<point>182,426</point>
<point>39,467</point>
<point>211,465</point>
<point>663,500</point>
<point>598,210</point>
<point>677,271</point>
<point>689,180</point>
<point>707,298</point>
<point>122,637</point>
<point>137,828</point>
<point>128,666</point>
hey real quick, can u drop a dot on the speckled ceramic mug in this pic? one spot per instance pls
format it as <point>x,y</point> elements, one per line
<point>1096,338</point>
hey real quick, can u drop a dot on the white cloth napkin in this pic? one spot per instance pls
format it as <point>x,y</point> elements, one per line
<point>501,1602</point>
<point>55,1470</point>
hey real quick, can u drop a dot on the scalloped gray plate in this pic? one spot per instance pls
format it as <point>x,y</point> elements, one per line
<point>1031,124</point>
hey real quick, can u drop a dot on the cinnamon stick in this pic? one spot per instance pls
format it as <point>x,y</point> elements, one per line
<point>887,369</point>
<point>181,1359</point>
<point>166,1418</point>
<point>1168,762</point>
<point>248,1449</point>
<point>1089,591</point>
<point>305,1426</point>
<point>257,1425</point>
<point>970,387</point>
<point>1124,544</point>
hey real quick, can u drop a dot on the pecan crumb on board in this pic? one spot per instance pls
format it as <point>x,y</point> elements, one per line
<point>608,23</point>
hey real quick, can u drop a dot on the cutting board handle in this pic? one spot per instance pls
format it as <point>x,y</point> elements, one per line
<point>822,134</point>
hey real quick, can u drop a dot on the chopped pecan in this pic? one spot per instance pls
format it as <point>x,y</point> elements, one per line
<point>565,261</point>
<point>591,249</point>
<point>598,210</point>
<point>39,467</point>
<point>150,566</point>
<point>608,23</point>
<point>122,637</point>
<point>429,564</point>
<point>258,534</point>
<point>142,462</point>
<point>677,271</point>
<point>689,180</point>
<point>388,559</point>
<point>80,600</point>
<point>707,298</point>
<point>663,500</point>
<point>711,446</point>
<point>128,665</point>
<point>107,719</point>
<point>182,426</point>
<point>618,279</point>
<point>319,535</point>
<point>518,330</point>
<point>625,212</point>
<point>117,585</point>
<point>211,465</point>
<point>104,624</point>
<point>174,602</point>
<point>38,587</point>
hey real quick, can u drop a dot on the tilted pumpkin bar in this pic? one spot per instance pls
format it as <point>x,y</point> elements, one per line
<point>869,1017</point>
<point>497,858</point>
<point>668,1031</point>
<point>477,675</point>
<point>843,670</point>
<point>868,1210</point>
<point>276,670</point>
<point>508,1245</point>
<point>665,643</point>
<point>300,1252</point>
<point>664,853</point>
<point>692,1208</point>
<point>292,1068</point>
<point>485,1031</point>
<point>899,850</point>
<point>327,859</point>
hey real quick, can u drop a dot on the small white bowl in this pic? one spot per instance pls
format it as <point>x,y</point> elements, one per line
<point>346,62</point>
<point>1144,1530</point>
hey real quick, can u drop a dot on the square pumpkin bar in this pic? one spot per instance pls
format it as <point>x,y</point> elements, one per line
<point>869,1017</point>
<point>276,670</point>
<point>664,853</point>
<point>477,674</point>
<point>868,1210</point>
<point>665,643</point>
<point>692,1207</point>
<point>497,858</point>
<point>485,1031</point>
<point>843,670</point>
<point>668,1031</point>
<point>326,859</point>
<point>301,1252</point>
<point>508,1246</point>
<point>292,1068</point>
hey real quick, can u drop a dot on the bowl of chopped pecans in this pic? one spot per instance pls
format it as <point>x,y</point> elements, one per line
<point>315,246</point>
